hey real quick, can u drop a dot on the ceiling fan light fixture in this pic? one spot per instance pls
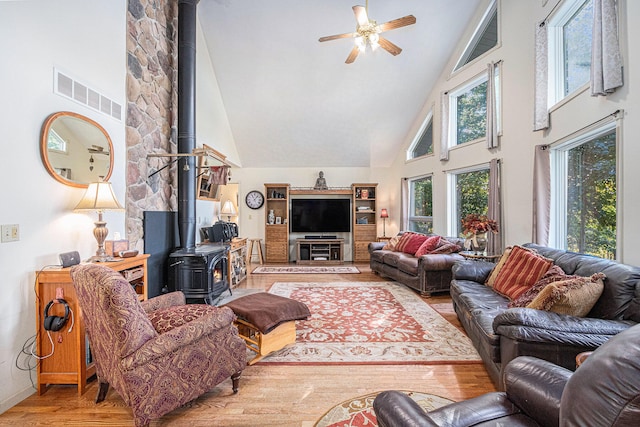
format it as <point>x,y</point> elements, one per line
<point>368,33</point>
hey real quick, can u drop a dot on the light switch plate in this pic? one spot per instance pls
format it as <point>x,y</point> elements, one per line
<point>10,233</point>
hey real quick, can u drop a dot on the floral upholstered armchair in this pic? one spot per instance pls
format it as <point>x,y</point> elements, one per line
<point>158,354</point>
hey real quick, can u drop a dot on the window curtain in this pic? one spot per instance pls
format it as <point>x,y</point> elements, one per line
<point>541,195</point>
<point>494,211</point>
<point>541,112</point>
<point>404,204</point>
<point>606,65</point>
<point>444,131</point>
<point>492,113</point>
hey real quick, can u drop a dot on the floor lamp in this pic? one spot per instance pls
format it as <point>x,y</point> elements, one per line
<point>384,215</point>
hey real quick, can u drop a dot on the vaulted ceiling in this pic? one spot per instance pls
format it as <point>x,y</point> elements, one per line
<point>292,101</point>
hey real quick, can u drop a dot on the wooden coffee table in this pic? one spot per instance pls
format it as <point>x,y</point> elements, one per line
<point>480,256</point>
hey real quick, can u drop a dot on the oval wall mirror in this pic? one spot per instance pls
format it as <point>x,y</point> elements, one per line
<point>76,150</point>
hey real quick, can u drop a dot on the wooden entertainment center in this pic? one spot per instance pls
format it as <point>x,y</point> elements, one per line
<point>363,225</point>
<point>320,251</point>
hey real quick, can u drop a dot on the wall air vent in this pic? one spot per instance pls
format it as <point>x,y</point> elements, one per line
<point>81,93</point>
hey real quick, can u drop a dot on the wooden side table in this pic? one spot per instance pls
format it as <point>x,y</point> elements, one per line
<point>383,238</point>
<point>71,361</point>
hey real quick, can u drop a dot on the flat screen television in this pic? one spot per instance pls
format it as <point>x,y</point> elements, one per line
<point>320,215</point>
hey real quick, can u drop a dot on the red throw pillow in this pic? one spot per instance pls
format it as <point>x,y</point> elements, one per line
<point>522,270</point>
<point>428,245</point>
<point>404,240</point>
<point>414,244</point>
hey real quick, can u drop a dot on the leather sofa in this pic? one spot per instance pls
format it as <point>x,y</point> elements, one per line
<point>500,334</point>
<point>604,391</point>
<point>426,274</point>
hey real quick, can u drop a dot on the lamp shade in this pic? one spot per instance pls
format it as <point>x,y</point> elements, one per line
<point>384,213</point>
<point>228,208</point>
<point>99,197</point>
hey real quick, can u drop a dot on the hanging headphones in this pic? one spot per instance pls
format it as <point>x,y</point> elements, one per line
<point>55,323</point>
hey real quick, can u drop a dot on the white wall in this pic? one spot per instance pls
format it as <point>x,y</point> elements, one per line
<point>516,50</point>
<point>87,41</point>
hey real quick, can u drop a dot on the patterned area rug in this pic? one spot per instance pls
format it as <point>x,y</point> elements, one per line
<point>369,322</point>
<point>359,411</point>
<point>299,269</point>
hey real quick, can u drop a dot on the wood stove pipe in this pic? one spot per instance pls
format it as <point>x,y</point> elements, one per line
<point>186,169</point>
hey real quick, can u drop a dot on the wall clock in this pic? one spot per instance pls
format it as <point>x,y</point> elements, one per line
<point>254,199</point>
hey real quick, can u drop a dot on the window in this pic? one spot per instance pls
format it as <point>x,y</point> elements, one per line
<point>55,142</point>
<point>468,112</point>
<point>423,143</point>
<point>569,35</point>
<point>468,194</point>
<point>471,114</point>
<point>584,193</point>
<point>421,204</point>
<point>484,38</point>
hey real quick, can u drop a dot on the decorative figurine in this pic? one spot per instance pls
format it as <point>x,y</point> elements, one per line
<point>321,183</point>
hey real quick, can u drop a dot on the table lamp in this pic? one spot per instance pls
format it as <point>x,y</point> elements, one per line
<point>99,197</point>
<point>228,209</point>
<point>384,215</point>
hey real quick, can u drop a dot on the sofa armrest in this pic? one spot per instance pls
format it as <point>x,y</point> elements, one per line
<point>475,271</point>
<point>396,409</point>
<point>438,262</point>
<point>529,325</point>
<point>376,246</point>
<point>179,337</point>
<point>535,386</point>
<point>163,301</point>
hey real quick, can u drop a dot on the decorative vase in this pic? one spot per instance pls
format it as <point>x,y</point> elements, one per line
<point>271,217</point>
<point>479,242</point>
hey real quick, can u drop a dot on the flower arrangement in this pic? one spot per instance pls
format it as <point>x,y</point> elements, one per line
<point>473,224</point>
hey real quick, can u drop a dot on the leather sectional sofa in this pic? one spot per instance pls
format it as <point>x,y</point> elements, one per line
<point>426,274</point>
<point>501,334</point>
<point>604,391</point>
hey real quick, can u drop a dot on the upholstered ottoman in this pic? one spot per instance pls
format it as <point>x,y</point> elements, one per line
<point>266,321</point>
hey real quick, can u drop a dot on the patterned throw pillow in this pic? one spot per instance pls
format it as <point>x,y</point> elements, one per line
<point>575,296</point>
<point>414,244</point>
<point>392,243</point>
<point>404,241</point>
<point>554,274</point>
<point>521,271</point>
<point>430,244</point>
<point>496,270</point>
<point>446,247</point>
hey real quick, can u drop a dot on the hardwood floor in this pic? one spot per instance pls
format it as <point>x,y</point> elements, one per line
<point>269,395</point>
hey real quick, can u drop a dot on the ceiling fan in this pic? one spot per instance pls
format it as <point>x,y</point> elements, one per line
<point>96,149</point>
<point>368,33</point>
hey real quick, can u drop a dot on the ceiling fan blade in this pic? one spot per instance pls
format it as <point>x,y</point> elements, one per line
<point>389,47</point>
<point>397,23</point>
<point>361,15</point>
<point>337,36</point>
<point>352,55</point>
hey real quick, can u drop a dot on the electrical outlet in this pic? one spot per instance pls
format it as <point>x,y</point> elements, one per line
<point>10,233</point>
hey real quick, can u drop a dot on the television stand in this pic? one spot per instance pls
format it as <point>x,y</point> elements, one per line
<point>319,251</point>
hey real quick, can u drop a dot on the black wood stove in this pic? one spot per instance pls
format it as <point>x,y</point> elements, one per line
<point>201,274</point>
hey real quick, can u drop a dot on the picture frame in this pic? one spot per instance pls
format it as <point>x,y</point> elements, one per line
<point>278,220</point>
